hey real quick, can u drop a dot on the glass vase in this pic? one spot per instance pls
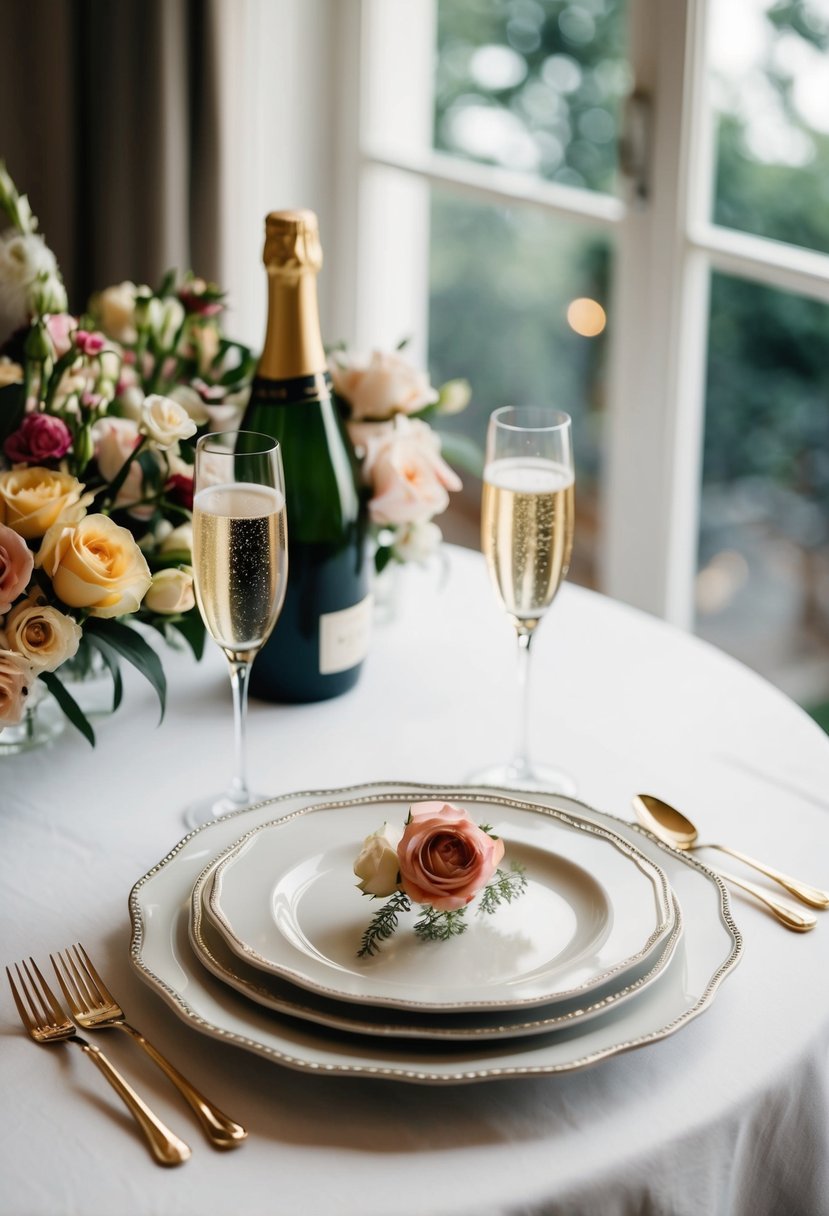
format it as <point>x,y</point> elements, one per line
<point>42,722</point>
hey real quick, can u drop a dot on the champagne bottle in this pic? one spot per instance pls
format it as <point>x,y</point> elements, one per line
<point>322,635</point>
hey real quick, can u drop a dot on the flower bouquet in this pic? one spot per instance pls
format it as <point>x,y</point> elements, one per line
<point>442,860</point>
<point>98,417</point>
<point>387,404</point>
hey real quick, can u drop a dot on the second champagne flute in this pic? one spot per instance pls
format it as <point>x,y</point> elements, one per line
<point>240,566</point>
<point>527,517</point>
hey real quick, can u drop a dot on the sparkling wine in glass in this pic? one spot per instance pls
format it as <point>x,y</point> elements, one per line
<point>240,565</point>
<point>527,517</point>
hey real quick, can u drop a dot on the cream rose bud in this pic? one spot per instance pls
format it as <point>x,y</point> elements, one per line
<point>115,311</point>
<point>178,540</point>
<point>97,565</point>
<point>377,866</point>
<point>164,421</point>
<point>171,591</point>
<point>42,634</point>
<point>16,680</point>
<point>417,542</point>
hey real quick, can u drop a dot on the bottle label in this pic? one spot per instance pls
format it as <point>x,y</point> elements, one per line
<point>345,637</point>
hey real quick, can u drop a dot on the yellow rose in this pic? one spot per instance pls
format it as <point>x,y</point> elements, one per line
<point>31,500</point>
<point>42,634</point>
<point>97,565</point>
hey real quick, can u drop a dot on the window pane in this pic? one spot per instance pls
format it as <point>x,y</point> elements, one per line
<point>533,85</point>
<point>502,283</point>
<point>770,82</point>
<point>763,581</point>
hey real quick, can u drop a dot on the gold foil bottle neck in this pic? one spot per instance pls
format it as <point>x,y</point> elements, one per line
<point>292,243</point>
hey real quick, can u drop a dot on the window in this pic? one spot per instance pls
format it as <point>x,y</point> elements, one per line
<point>665,163</point>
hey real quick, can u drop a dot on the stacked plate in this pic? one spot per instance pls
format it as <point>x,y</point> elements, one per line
<point>250,929</point>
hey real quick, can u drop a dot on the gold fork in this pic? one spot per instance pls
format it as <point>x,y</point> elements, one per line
<point>46,1022</point>
<point>94,1007</point>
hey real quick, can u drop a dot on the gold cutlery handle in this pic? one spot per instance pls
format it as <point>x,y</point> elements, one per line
<point>786,913</point>
<point>801,890</point>
<point>222,1131</point>
<point>165,1147</point>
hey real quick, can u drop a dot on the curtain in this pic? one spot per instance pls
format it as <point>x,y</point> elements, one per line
<point>109,122</point>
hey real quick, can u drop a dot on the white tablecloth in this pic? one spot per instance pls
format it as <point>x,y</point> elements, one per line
<point>730,1115</point>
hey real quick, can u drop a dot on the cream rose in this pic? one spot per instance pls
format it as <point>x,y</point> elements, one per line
<point>32,499</point>
<point>42,634</point>
<point>16,564</point>
<point>178,540</point>
<point>384,385</point>
<point>16,680</point>
<point>10,373</point>
<point>377,866</point>
<point>417,542</point>
<point>164,421</point>
<point>97,565</point>
<point>115,312</point>
<point>171,591</point>
<point>445,859</point>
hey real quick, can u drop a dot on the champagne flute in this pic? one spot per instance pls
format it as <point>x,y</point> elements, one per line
<point>240,566</point>
<point>527,517</point>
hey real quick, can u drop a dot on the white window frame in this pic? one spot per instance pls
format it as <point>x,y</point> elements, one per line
<point>665,251</point>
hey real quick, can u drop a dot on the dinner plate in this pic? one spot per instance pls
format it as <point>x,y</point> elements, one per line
<point>708,951</point>
<point>281,996</point>
<point>285,899</point>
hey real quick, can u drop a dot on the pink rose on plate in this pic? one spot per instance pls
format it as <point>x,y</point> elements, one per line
<point>410,479</point>
<point>380,386</point>
<point>445,859</point>
<point>16,563</point>
<point>40,437</point>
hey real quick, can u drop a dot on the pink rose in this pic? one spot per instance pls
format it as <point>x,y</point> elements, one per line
<point>445,858</point>
<point>59,327</point>
<point>384,385</point>
<point>115,439</point>
<point>16,680</point>
<point>40,437</point>
<point>16,563</point>
<point>408,475</point>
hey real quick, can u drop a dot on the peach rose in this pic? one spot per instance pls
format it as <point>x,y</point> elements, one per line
<point>410,478</point>
<point>32,499</point>
<point>96,564</point>
<point>377,866</point>
<point>445,858</point>
<point>384,385</point>
<point>16,680</point>
<point>16,564</point>
<point>42,634</point>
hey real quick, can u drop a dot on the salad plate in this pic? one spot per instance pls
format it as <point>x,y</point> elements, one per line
<point>707,953</point>
<point>284,897</point>
<point>277,994</point>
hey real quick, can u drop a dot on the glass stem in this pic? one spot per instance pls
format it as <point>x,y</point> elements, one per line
<point>238,791</point>
<point>521,760</point>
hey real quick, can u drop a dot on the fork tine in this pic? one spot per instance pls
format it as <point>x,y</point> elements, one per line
<point>40,1013</point>
<point>48,995</point>
<point>64,983</point>
<point>21,1008</point>
<point>89,967</point>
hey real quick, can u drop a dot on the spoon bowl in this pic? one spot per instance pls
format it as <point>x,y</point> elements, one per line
<point>677,830</point>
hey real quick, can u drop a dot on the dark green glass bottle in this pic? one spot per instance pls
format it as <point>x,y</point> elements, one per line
<point>321,638</point>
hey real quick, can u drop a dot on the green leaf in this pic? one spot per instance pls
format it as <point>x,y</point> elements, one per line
<point>132,647</point>
<point>191,627</point>
<point>110,657</point>
<point>68,704</point>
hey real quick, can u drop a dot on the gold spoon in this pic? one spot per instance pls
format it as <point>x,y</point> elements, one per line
<point>676,830</point>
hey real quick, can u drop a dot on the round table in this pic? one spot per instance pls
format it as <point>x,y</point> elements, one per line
<point>730,1115</point>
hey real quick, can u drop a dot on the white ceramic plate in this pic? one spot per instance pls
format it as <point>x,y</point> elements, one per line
<point>710,948</point>
<point>285,899</point>
<point>275,993</point>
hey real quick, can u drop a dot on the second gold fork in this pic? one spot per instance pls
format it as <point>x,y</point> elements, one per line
<point>94,1007</point>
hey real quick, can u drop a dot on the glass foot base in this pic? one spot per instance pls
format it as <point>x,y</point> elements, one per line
<point>205,810</point>
<point>525,777</point>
